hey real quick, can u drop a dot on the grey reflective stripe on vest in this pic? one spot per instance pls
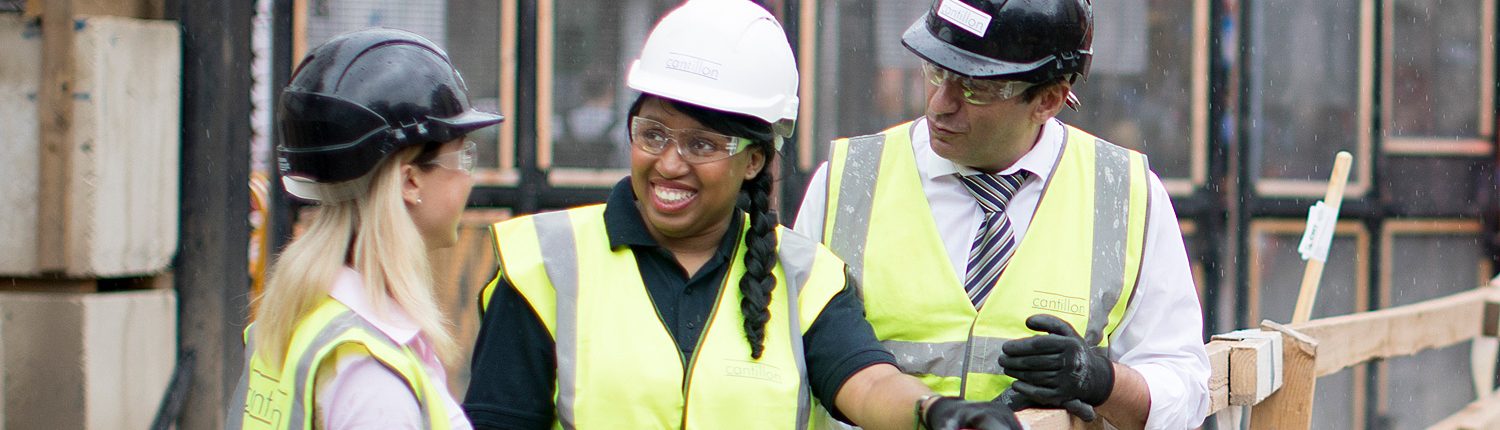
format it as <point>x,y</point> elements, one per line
<point>554,232</point>
<point>946,359</point>
<point>851,224</point>
<point>797,254</point>
<point>237,405</point>
<point>1111,225</point>
<point>336,327</point>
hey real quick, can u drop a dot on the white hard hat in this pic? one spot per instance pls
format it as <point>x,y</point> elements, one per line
<point>727,55</point>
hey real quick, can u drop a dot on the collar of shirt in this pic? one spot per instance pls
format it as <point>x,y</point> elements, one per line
<point>1038,161</point>
<point>625,227</point>
<point>392,321</point>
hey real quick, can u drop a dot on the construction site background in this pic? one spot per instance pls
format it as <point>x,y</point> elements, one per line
<point>133,228</point>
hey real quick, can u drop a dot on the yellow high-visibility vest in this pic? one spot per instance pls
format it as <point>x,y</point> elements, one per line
<point>1079,259</point>
<point>618,366</point>
<point>279,398</point>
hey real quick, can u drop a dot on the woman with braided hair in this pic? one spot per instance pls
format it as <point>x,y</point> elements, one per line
<point>681,302</point>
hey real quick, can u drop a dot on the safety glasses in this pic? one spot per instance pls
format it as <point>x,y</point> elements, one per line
<point>977,92</point>
<point>695,146</point>
<point>461,160</point>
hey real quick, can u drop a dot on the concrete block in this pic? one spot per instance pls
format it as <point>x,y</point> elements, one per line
<point>123,186</point>
<point>86,360</point>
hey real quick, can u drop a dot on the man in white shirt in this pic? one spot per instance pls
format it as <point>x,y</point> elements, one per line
<point>1002,251</point>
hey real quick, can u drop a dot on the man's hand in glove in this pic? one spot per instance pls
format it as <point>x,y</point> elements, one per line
<point>1055,368</point>
<point>952,413</point>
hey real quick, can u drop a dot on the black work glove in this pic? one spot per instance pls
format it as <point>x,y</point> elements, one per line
<point>952,413</point>
<point>1018,402</point>
<point>1056,369</point>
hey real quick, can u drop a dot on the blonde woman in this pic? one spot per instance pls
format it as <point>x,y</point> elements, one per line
<point>347,333</point>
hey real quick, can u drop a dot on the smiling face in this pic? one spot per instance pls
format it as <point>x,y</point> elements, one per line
<point>683,201</point>
<point>987,137</point>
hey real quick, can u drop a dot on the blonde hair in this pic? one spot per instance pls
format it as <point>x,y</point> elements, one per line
<point>375,235</point>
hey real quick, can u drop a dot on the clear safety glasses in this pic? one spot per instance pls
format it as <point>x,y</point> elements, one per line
<point>695,146</point>
<point>977,92</point>
<point>461,160</point>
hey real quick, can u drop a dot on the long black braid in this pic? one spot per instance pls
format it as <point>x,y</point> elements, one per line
<point>755,199</point>
<point>760,257</point>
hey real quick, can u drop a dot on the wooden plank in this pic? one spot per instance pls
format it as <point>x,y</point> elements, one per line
<point>1291,406</point>
<point>162,281</point>
<point>1254,365</point>
<point>1356,338</point>
<point>148,9</point>
<point>1218,379</point>
<point>55,118</point>
<point>1054,419</point>
<point>1481,414</point>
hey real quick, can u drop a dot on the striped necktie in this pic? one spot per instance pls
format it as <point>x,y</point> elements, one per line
<point>994,242</point>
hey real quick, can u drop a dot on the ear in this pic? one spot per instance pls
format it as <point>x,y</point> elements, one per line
<point>1051,102</point>
<point>411,184</point>
<point>757,163</point>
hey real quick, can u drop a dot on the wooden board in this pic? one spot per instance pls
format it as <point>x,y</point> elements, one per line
<point>54,122</point>
<point>1291,406</point>
<point>1255,365</point>
<point>1347,340</point>
<point>149,9</point>
<point>1218,379</point>
<point>118,215</point>
<point>162,281</point>
<point>1482,414</point>
<point>1053,419</point>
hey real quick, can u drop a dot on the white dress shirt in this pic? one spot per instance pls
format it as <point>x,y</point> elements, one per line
<point>1161,334</point>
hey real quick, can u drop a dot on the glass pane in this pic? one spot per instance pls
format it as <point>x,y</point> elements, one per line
<point>473,34</point>
<point>468,29</point>
<point>1140,87</point>
<point>1303,86</point>
<point>1437,186</point>
<point>1281,270</point>
<point>858,93</point>
<point>1435,68</point>
<point>1428,266</point>
<point>593,45</point>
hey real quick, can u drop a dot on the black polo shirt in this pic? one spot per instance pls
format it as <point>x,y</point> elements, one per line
<point>514,369</point>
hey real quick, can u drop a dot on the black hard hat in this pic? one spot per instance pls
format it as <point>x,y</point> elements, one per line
<point>365,95</point>
<point>1026,40</point>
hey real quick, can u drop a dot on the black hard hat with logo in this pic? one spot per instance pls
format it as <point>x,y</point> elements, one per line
<point>1026,40</point>
<point>360,97</point>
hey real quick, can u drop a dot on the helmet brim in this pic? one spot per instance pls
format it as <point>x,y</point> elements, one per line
<point>470,120</point>
<point>921,42</point>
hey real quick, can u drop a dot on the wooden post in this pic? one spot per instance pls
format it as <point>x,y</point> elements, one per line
<point>211,265</point>
<point>1291,406</point>
<point>55,104</point>
<point>1314,272</point>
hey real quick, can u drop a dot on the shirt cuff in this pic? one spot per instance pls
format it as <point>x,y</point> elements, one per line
<point>1174,405</point>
